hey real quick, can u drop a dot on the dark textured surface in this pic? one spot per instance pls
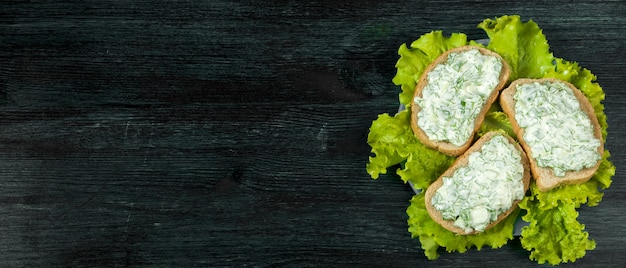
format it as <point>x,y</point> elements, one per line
<point>210,133</point>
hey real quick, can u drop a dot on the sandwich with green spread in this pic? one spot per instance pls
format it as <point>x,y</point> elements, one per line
<point>482,187</point>
<point>453,95</point>
<point>556,125</point>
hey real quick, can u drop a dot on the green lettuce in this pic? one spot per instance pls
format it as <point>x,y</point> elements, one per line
<point>393,142</point>
<point>522,45</point>
<point>553,234</point>
<point>496,121</point>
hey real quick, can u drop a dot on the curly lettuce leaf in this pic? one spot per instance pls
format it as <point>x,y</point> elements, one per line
<point>424,166</point>
<point>522,45</point>
<point>432,235</point>
<point>553,235</point>
<point>496,121</point>
<point>389,138</point>
<point>393,142</point>
<point>604,173</point>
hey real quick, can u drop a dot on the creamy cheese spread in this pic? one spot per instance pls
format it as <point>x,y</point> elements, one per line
<point>456,91</point>
<point>558,132</point>
<point>476,194</point>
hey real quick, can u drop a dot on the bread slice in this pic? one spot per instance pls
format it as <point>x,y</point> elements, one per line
<point>463,161</point>
<point>445,146</point>
<point>544,177</point>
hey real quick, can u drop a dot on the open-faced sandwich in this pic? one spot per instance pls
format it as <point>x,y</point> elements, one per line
<point>556,125</point>
<point>482,187</point>
<point>453,95</point>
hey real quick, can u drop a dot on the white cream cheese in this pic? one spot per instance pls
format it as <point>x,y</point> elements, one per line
<point>456,91</point>
<point>558,132</point>
<point>476,194</point>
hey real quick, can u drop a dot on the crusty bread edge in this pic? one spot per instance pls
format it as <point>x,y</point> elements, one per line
<point>463,161</point>
<point>544,177</point>
<point>444,146</point>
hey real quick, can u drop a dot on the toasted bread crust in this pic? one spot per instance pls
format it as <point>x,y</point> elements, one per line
<point>463,161</point>
<point>444,146</point>
<point>544,177</point>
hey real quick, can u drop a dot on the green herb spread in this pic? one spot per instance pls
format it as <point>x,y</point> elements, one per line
<point>558,132</point>
<point>476,194</point>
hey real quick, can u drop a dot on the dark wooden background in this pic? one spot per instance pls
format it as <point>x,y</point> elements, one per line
<point>233,133</point>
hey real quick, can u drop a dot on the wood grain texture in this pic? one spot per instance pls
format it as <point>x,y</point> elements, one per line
<point>232,133</point>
